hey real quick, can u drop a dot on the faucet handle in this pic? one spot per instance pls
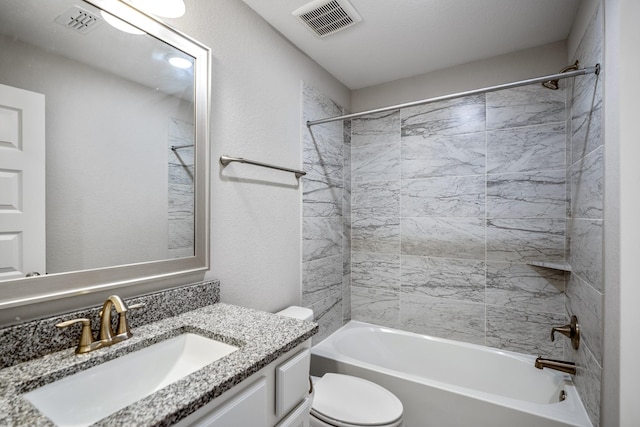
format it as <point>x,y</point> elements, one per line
<point>86,337</point>
<point>571,331</point>
<point>123,325</point>
<point>564,330</point>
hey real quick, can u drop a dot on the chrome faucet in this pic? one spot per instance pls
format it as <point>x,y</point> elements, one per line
<point>558,365</point>
<point>107,336</point>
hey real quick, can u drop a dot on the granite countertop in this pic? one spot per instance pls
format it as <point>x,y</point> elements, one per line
<point>262,338</point>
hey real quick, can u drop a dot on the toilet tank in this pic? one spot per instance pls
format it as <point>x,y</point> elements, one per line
<point>301,313</point>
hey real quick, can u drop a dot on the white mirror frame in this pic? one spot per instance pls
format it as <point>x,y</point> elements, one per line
<point>36,297</point>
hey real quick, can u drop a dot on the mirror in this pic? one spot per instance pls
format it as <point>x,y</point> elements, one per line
<point>103,149</point>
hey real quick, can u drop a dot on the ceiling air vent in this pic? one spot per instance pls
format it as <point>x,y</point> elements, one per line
<point>325,17</point>
<point>79,20</point>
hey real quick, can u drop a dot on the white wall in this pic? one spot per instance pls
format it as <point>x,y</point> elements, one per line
<point>256,113</point>
<point>622,246</point>
<point>524,64</point>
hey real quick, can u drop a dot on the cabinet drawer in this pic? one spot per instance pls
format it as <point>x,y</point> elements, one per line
<point>299,417</point>
<point>249,408</point>
<point>292,382</point>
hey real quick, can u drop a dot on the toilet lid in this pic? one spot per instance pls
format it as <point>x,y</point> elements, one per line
<point>343,399</point>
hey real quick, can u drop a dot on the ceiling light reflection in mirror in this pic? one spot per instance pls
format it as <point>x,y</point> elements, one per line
<point>120,24</point>
<point>180,62</point>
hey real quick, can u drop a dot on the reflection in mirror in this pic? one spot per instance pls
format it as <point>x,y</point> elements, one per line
<point>96,110</point>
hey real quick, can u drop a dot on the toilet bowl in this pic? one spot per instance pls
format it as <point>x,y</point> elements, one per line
<point>348,401</point>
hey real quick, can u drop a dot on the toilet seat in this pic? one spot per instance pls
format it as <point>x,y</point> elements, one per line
<point>346,401</point>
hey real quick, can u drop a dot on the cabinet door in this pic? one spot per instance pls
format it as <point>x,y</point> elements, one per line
<point>249,408</point>
<point>292,382</point>
<point>299,417</point>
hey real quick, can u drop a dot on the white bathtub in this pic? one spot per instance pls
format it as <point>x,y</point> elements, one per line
<point>447,383</point>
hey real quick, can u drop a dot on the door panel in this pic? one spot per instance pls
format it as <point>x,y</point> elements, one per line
<point>22,183</point>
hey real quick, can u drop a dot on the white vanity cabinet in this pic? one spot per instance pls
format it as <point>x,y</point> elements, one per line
<point>277,395</point>
<point>246,409</point>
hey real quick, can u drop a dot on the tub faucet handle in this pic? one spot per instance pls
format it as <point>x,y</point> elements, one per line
<point>572,331</point>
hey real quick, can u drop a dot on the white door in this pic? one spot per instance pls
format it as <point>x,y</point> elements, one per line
<point>22,183</point>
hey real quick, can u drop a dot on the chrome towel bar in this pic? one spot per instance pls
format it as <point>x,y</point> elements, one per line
<point>225,160</point>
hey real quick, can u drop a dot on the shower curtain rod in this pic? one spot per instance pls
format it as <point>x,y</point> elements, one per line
<point>582,71</point>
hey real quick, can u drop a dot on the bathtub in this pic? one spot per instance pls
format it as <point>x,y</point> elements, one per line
<point>445,383</point>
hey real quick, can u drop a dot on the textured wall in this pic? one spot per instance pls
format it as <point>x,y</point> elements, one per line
<point>326,213</point>
<point>585,288</point>
<point>450,202</point>
<point>255,113</point>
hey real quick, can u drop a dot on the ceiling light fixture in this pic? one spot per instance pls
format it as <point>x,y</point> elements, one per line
<point>120,24</point>
<point>161,8</point>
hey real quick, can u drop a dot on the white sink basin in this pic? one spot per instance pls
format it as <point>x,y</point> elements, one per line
<point>88,396</point>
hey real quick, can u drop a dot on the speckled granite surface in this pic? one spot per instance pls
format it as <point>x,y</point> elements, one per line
<point>35,339</point>
<point>262,338</point>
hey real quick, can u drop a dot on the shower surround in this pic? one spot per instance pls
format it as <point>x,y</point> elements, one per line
<point>326,211</point>
<point>449,203</point>
<point>585,167</point>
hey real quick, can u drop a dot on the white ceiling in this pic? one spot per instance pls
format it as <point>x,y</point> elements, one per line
<point>404,38</point>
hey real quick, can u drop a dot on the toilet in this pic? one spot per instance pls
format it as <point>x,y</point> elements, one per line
<point>348,401</point>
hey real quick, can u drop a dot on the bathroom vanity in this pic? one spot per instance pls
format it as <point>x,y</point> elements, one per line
<point>264,382</point>
<point>254,403</point>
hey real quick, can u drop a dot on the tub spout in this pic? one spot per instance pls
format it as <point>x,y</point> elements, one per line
<point>558,365</point>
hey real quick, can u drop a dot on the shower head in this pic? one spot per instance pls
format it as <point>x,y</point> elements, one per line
<point>554,84</point>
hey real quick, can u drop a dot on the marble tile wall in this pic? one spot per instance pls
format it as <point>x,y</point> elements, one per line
<point>326,212</point>
<point>180,197</point>
<point>585,289</point>
<point>449,203</point>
